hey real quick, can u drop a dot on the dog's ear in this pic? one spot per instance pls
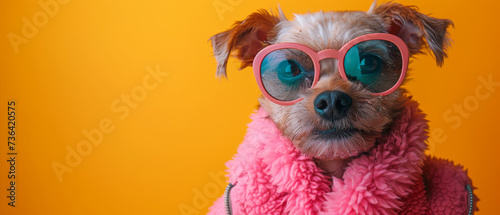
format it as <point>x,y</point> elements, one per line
<point>245,39</point>
<point>416,29</point>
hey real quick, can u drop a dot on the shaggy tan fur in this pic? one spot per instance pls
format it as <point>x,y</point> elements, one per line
<point>369,116</point>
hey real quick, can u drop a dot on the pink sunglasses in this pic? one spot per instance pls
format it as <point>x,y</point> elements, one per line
<point>377,61</point>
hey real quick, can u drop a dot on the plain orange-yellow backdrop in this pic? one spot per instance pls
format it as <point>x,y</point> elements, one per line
<point>160,157</point>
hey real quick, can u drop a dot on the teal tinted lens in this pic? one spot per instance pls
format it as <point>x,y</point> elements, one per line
<point>285,72</point>
<point>374,63</point>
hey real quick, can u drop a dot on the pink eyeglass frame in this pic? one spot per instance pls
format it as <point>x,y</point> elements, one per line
<point>316,57</point>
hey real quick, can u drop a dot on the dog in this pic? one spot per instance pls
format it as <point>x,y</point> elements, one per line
<point>333,82</point>
<point>358,116</point>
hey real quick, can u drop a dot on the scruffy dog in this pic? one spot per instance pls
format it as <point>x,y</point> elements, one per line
<point>354,115</point>
<point>332,81</point>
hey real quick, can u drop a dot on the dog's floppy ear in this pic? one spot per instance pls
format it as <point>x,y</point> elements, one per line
<point>416,29</point>
<point>245,39</point>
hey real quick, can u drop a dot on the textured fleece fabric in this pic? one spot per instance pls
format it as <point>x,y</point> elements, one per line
<point>271,176</point>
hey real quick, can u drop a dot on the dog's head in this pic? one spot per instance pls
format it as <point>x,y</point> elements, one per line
<point>333,115</point>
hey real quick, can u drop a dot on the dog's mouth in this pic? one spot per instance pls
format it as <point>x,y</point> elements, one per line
<point>337,142</point>
<point>337,133</point>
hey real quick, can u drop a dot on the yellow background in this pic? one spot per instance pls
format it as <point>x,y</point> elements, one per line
<point>159,159</point>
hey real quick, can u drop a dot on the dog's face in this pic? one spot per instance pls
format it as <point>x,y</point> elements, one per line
<point>336,118</point>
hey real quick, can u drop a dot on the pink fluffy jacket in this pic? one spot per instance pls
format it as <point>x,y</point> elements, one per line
<point>271,176</point>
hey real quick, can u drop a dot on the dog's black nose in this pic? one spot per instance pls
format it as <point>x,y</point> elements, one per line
<point>332,104</point>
